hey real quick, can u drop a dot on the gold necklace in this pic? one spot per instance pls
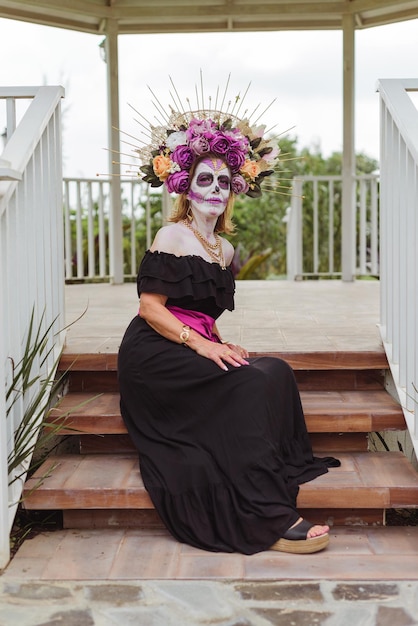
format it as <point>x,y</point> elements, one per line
<point>214,250</point>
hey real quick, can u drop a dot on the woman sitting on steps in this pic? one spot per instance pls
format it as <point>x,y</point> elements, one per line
<point>222,440</point>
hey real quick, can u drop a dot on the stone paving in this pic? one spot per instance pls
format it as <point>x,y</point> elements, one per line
<point>199,603</point>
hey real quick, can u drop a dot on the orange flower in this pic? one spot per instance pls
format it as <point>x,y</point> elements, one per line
<point>161,166</point>
<point>251,169</point>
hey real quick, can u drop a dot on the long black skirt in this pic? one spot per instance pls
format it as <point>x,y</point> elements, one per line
<point>221,453</point>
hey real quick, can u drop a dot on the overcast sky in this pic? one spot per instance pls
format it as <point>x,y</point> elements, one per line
<point>302,70</point>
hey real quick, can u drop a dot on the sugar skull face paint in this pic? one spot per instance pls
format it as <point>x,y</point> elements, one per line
<point>210,186</point>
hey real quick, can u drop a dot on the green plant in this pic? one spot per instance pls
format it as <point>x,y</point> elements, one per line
<point>245,270</point>
<point>35,392</point>
<point>38,432</point>
<point>27,385</point>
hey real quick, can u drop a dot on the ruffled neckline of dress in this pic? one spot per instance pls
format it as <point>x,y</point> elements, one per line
<point>188,276</point>
<point>184,258</point>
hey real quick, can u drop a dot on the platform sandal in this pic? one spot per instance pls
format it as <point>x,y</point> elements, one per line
<point>296,541</point>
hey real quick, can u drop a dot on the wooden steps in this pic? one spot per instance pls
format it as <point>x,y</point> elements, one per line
<point>337,420</point>
<point>325,411</point>
<point>102,486</point>
<point>367,480</point>
<point>358,492</point>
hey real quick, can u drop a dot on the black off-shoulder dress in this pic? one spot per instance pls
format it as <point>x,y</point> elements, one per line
<point>221,453</point>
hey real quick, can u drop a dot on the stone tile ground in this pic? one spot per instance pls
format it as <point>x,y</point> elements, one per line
<point>204,603</point>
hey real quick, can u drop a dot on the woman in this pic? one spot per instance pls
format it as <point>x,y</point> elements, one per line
<point>221,437</point>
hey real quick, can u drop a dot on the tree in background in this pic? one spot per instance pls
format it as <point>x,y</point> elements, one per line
<point>260,223</point>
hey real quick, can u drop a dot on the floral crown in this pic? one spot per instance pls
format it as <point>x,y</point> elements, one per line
<point>187,136</point>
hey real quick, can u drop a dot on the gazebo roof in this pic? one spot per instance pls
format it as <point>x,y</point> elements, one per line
<point>168,16</point>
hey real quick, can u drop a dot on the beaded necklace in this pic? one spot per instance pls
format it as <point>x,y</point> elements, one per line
<point>214,250</point>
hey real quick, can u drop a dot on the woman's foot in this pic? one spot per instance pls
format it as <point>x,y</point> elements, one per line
<point>314,531</point>
<point>303,538</point>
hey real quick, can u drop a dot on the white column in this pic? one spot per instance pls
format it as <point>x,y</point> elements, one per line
<point>115,234</point>
<point>348,164</point>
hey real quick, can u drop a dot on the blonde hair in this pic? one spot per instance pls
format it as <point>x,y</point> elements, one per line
<point>182,205</point>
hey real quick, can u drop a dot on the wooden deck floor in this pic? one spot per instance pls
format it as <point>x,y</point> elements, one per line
<point>276,316</point>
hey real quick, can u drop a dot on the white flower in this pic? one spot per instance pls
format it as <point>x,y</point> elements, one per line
<point>174,167</point>
<point>176,139</point>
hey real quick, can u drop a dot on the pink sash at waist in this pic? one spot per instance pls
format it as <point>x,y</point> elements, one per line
<point>200,322</point>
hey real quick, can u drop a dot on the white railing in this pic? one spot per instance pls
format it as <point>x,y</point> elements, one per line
<point>87,225</point>
<point>399,241</point>
<point>314,226</point>
<point>316,217</point>
<point>31,263</point>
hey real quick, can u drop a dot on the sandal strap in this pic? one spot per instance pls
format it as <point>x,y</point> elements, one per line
<point>298,532</point>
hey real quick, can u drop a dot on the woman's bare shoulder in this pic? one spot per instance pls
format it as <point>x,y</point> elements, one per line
<point>168,239</point>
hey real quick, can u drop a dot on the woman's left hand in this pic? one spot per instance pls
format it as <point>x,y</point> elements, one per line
<point>242,352</point>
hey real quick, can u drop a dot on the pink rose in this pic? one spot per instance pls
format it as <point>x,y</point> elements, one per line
<point>178,182</point>
<point>199,145</point>
<point>183,156</point>
<point>238,184</point>
<point>199,127</point>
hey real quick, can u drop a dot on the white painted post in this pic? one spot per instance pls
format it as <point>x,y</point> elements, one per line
<point>115,234</point>
<point>348,165</point>
<point>294,237</point>
<point>11,117</point>
<point>167,205</point>
<point>148,218</point>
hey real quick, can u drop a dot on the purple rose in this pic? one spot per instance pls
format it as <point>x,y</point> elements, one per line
<point>219,143</point>
<point>199,145</point>
<point>183,156</point>
<point>178,182</point>
<point>239,184</point>
<point>235,158</point>
<point>237,139</point>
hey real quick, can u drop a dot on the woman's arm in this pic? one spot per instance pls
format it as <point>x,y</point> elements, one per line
<point>155,313</point>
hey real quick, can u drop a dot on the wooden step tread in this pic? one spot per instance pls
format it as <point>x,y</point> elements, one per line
<point>298,360</point>
<point>325,411</point>
<point>365,480</point>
